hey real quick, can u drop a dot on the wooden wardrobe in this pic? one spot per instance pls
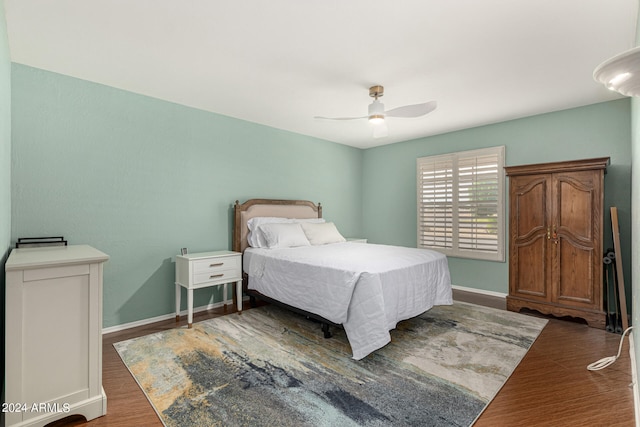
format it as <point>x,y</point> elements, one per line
<point>556,223</point>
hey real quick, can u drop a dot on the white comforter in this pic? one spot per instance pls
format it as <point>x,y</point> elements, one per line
<point>367,288</point>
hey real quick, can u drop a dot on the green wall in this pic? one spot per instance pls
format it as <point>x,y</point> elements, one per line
<point>635,222</point>
<point>635,226</point>
<point>5,142</point>
<point>600,130</point>
<point>5,172</point>
<point>139,178</point>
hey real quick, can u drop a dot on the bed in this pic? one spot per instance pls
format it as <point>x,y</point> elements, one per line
<point>293,257</point>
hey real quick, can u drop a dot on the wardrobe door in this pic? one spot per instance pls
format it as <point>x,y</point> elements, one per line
<point>577,266</point>
<point>529,211</point>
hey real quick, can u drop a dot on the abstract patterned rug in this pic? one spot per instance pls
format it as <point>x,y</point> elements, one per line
<point>270,367</point>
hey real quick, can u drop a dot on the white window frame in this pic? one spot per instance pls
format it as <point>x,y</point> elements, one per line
<point>449,244</point>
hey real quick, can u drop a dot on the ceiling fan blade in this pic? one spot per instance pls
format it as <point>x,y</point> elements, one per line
<point>415,110</point>
<point>339,118</point>
<point>380,130</point>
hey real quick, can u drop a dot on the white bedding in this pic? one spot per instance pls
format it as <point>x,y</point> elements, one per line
<point>367,288</point>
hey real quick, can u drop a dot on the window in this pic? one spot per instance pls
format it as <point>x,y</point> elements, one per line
<point>460,203</point>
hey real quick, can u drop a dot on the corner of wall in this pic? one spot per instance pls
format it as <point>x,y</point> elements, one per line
<point>5,170</point>
<point>634,347</point>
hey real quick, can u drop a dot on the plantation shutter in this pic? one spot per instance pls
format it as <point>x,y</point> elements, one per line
<point>478,203</point>
<point>460,203</point>
<point>435,206</point>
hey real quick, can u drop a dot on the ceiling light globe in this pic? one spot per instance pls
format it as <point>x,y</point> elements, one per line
<point>621,73</point>
<point>376,119</point>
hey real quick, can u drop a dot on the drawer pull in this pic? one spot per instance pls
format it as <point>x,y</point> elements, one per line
<point>215,276</point>
<point>217,264</point>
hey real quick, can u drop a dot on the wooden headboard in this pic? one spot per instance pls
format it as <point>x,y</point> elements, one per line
<point>268,207</point>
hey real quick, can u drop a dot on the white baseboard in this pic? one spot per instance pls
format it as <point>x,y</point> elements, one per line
<point>480,291</point>
<point>144,322</point>
<point>634,378</point>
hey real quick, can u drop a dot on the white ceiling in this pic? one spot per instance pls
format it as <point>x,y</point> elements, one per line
<point>282,62</point>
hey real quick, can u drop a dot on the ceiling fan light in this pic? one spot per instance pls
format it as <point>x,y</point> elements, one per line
<point>376,112</point>
<point>376,108</point>
<point>376,119</point>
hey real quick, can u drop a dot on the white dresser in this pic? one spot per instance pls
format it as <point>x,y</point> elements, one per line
<point>53,364</point>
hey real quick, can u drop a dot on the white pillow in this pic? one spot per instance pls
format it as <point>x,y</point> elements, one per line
<point>256,238</point>
<point>310,220</point>
<point>284,235</point>
<point>322,234</point>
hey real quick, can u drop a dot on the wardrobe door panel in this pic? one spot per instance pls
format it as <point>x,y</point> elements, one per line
<point>576,205</point>
<point>530,197</point>
<point>529,213</point>
<point>575,282</point>
<point>531,282</point>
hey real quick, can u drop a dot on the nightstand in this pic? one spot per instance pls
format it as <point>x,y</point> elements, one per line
<point>204,269</point>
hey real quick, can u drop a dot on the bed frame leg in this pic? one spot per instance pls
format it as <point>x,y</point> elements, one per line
<point>325,329</point>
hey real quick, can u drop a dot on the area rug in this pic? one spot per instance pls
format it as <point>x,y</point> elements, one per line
<point>271,367</point>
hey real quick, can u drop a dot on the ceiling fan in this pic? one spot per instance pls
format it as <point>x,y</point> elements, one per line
<point>377,113</point>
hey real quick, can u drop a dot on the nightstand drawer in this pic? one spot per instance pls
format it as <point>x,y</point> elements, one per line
<point>221,276</point>
<point>216,265</point>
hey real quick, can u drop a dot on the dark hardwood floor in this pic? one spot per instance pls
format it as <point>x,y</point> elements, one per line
<point>550,387</point>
